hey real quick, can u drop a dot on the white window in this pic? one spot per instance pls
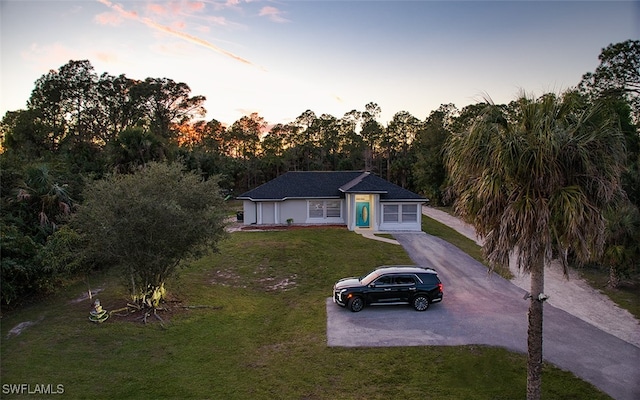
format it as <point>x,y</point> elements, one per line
<point>323,209</point>
<point>390,213</point>
<point>333,209</point>
<point>409,213</point>
<point>399,213</point>
<point>316,209</point>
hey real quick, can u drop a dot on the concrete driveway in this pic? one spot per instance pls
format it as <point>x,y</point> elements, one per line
<point>486,309</point>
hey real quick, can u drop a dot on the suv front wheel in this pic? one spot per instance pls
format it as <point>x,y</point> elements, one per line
<point>356,304</point>
<point>420,302</point>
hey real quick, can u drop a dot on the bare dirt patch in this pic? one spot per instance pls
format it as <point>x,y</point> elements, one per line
<point>18,329</point>
<point>263,281</point>
<point>274,284</point>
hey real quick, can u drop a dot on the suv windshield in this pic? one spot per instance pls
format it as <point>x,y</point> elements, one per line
<point>370,277</point>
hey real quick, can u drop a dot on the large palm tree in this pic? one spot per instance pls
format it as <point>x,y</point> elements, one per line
<point>533,178</point>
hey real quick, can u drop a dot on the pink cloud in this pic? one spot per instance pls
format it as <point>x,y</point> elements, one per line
<point>156,8</point>
<point>108,58</point>
<point>273,14</point>
<point>175,8</point>
<point>108,18</point>
<point>171,31</point>
<point>41,58</point>
<point>195,5</point>
<point>222,21</point>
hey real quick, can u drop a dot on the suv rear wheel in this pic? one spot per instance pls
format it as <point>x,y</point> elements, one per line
<point>420,302</point>
<point>356,304</point>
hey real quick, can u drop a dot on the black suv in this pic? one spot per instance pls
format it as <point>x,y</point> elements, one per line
<point>395,284</point>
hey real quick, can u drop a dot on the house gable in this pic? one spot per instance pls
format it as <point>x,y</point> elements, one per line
<point>369,183</point>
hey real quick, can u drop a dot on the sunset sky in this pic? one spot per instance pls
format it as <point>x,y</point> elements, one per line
<point>279,58</point>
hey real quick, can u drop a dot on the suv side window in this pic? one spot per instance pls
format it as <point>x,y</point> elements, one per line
<point>405,280</point>
<point>430,279</point>
<point>384,281</point>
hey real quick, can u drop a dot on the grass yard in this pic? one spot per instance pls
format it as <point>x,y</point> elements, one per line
<point>256,329</point>
<point>627,295</point>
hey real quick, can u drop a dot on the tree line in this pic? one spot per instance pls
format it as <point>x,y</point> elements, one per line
<point>79,127</point>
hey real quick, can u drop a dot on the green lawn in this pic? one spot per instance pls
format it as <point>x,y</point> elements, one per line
<point>627,295</point>
<point>256,330</point>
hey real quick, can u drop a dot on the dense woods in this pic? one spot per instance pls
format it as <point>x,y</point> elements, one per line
<point>79,127</point>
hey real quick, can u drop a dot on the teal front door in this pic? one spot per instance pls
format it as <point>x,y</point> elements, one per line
<point>362,214</point>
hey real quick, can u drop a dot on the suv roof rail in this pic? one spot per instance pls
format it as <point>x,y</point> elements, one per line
<point>427,269</point>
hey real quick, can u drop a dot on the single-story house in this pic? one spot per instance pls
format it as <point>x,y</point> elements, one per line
<point>359,200</point>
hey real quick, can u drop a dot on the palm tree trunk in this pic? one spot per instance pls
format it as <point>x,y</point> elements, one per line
<point>614,279</point>
<point>534,337</point>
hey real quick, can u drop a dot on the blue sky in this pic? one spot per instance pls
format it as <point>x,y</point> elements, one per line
<point>279,58</point>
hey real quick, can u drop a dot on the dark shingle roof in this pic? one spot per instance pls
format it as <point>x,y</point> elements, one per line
<point>369,183</point>
<point>322,184</point>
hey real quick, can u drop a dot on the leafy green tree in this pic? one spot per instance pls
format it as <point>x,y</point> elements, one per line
<point>306,140</point>
<point>148,223</point>
<point>21,272</point>
<point>68,103</point>
<point>35,202</point>
<point>200,149</point>
<point>429,170</point>
<point>25,133</point>
<point>165,103</point>
<point>468,116</point>
<point>536,186</point>
<point>622,246</point>
<point>371,133</point>
<point>328,142</point>
<point>245,134</point>
<point>396,144</point>
<point>618,74</point>
<point>616,83</point>
<point>290,138</point>
<point>135,147</point>
<point>118,106</point>
<point>354,147</point>
<point>273,151</point>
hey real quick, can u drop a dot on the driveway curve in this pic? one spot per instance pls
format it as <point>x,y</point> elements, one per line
<point>486,309</point>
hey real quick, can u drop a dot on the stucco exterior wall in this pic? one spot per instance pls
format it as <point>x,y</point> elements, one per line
<point>274,212</point>
<point>278,212</point>
<point>294,209</point>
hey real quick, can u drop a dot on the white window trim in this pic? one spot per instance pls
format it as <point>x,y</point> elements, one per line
<point>400,213</point>
<point>324,217</point>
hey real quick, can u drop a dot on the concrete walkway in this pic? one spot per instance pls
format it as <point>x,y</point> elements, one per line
<point>371,235</point>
